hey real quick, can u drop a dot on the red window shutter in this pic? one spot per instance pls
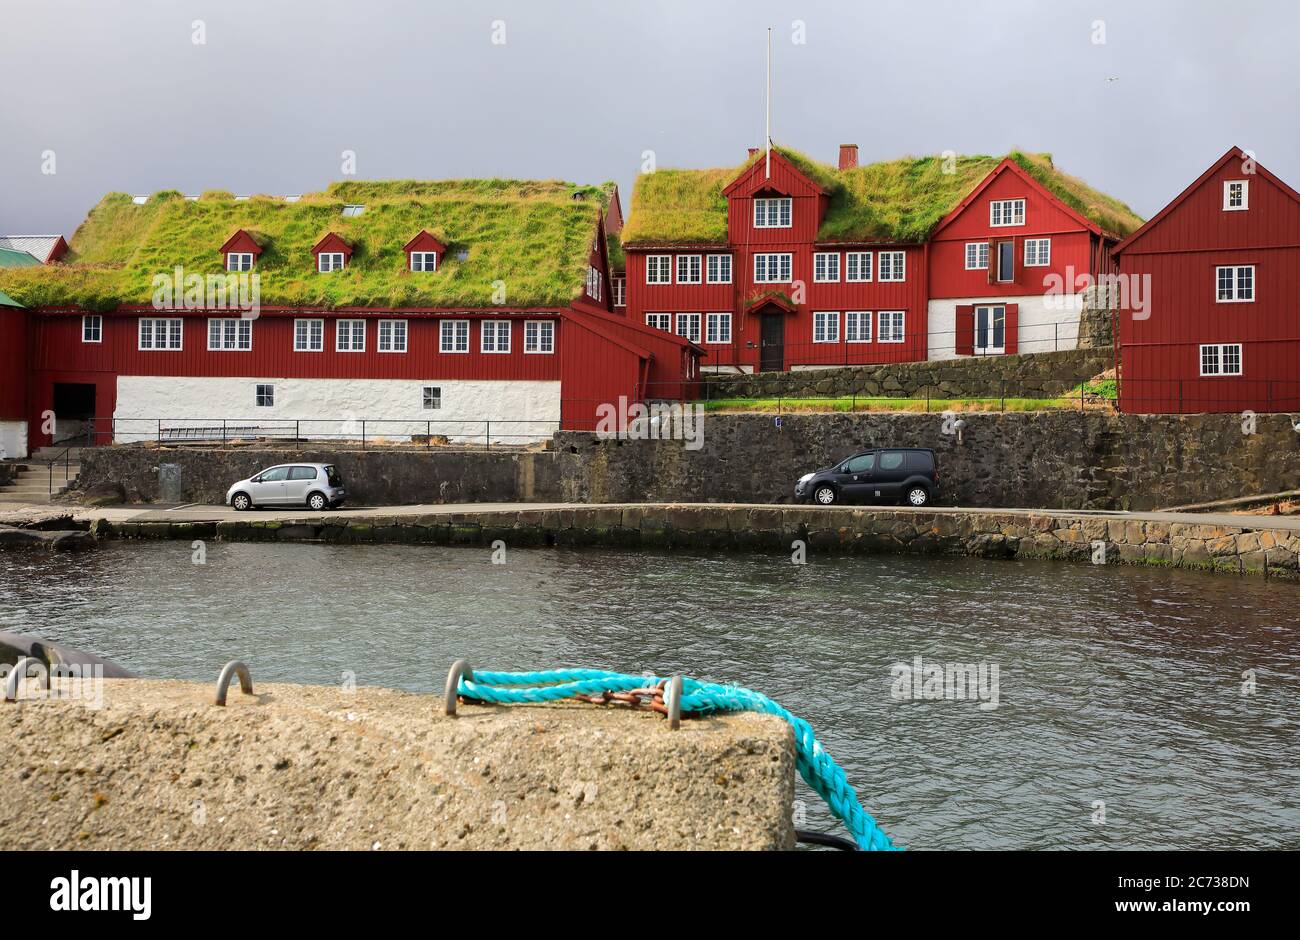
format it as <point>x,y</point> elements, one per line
<point>992,269</point>
<point>965,330</point>
<point>1011,339</point>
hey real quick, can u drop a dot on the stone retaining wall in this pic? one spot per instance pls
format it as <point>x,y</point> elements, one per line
<point>1032,375</point>
<point>1249,548</point>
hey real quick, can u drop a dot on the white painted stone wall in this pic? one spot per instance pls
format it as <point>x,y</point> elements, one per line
<point>13,439</point>
<point>1046,323</point>
<point>393,409</point>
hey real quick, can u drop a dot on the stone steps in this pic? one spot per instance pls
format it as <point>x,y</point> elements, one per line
<point>32,483</point>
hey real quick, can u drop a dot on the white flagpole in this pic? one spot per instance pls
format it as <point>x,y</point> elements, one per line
<point>769,103</point>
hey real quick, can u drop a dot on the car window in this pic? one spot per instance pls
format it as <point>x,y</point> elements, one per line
<point>302,473</point>
<point>275,475</point>
<point>921,460</point>
<point>861,464</point>
<point>891,460</point>
<point>332,474</point>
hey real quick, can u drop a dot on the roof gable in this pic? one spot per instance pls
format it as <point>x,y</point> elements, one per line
<point>241,242</point>
<point>425,242</point>
<point>333,243</point>
<point>1008,165</point>
<point>755,179</point>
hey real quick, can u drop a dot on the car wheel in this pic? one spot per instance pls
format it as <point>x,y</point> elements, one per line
<point>824,495</point>
<point>917,496</point>
<point>317,501</point>
<point>241,502</point>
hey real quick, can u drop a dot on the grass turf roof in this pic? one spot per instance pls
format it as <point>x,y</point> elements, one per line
<point>893,201</point>
<point>532,235</point>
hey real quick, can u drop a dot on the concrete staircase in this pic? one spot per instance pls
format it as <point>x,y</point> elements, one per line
<point>31,484</point>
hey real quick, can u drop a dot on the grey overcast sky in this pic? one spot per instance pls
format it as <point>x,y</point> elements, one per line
<point>126,100</point>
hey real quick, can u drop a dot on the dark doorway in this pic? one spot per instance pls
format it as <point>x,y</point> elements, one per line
<point>772,354</point>
<point>74,411</point>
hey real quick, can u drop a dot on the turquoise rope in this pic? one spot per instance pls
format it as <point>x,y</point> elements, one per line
<point>816,766</point>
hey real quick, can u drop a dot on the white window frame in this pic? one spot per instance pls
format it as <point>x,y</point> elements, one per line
<point>687,263</point>
<point>349,327</point>
<point>715,276</point>
<point>393,335</point>
<point>1227,195</point>
<point>174,327</point>
<point>594,278</point>
<point>428,261</point>
<point>856,264</point>
<point>981,256</point>
<point>426,398</point>
<point>692,323</point>
<point>768,207</point>
<point>1011,209</point>
<point>257,395</point>
<point>659,321</point>
<point>821,320</point>
<point>494,337</point>
<point>782,259</point>
<point>887,266</point>
<point>620,291</point>
<point>857,326</point>
<point>989,350</point>
<point>453,336</point>
<point>1042,253</point>
<point>885,326</point>
<point>1235,270</point>
<point>542,342</point>
<point>1219,360</point>
<point>826,267</point>
<point>242,340</point>
<point>661,266</point>
<point>239,261</point>
<point>308,323</point>
<point>717,328</point>
<point>92,324</point>
<point>321,263</point>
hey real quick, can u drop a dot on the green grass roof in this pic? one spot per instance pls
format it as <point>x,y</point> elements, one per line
<point>897,200</point>
<point>533,235</point>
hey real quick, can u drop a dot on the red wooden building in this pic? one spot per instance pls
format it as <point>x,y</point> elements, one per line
<point>1220,268</point>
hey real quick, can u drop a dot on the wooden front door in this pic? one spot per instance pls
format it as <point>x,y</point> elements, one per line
<point>772,354</point>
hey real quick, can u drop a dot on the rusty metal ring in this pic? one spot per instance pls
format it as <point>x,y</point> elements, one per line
<point>673,700</point>
<point>20,672</point>
<point>459,669</point>
<point>232,669</point>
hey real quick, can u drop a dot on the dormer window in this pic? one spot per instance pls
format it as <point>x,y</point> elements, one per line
<point>1003,212</point>
<point>239,261</point>
<point>351,212</point>
<point>772,212</point>
<point>424,253</point>
<point>424,261</point>
<point>240,251</point>
<point>332,254</point>
<point>1236,195</point>
<point>328,261</point>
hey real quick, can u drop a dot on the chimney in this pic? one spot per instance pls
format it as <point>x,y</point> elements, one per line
<point>848,156</point>
<point>752,151</point>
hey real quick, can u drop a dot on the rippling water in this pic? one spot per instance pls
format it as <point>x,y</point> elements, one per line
<point>1115,684</point>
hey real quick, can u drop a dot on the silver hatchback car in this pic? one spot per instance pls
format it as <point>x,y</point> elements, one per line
<point>314,485</point>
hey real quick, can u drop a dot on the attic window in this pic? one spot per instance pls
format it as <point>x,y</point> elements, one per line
<point>139,200</point>
<point>328,261</point>
<point>1236,195</point>
<point>352,211</point>
<point>239,261</point>
<point>191,198</point>
<point>462,255</point>
<point>424,261</point>
<point>242,198</point>
<point>293,198</point>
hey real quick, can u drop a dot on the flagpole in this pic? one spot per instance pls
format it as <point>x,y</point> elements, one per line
<point>769,103</point>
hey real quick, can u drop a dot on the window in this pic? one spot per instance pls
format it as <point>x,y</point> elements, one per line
<point>392,336</point>
<point>265,397</point>
<point>893,265</point>
<point>594,278</point>
<point>432,397</point>
<point>302,473</point>
<point>1007,212</point>
<point>308,335</point>
<point>1006,261</point>
<point>864,463</point>
<point>494,336</point>
<point>1236,195</point>
<point>990,331</point>
<point>239,261</point>
<point>1038,252</point>
<point>718,328</point>
<point>719,269</point>
<point>826,327</point>
<point>620,292</point>
<point>857,326</point>
<point>660,321</point>
<point>1221,359</point>
<point>350,336</point>
<point>453,336</point>
<point>688,269</point>
<point>160,334</point>
<point>688,325</point>
<point>1236,284</point>
<point>772,268</point>
<point>890,325</point>
<point>92,329</point>
<point>659,269</point>
<point>977,256</point>
<point>772,213</point>
<point>826,266</point>
<point>424,261</point>
<point>275,474</point>
<point>230,333</point>
<point>857,266</point>
<point>539,336</point>
<point>891,460</point>
<point>328,261</point>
